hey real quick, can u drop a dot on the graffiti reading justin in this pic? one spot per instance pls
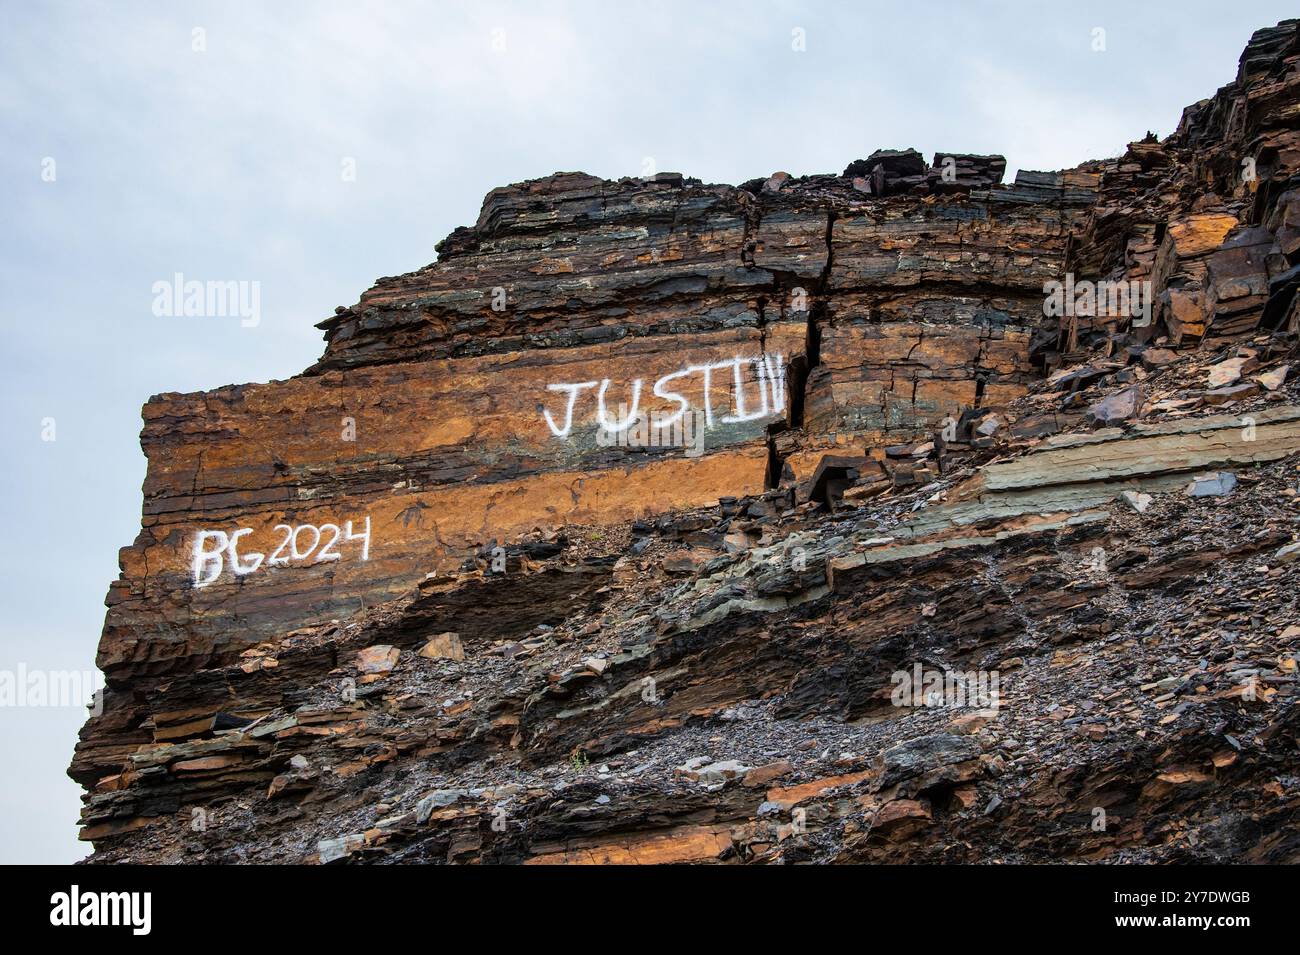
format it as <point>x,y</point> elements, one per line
<point>768,381</point>
<point>213,550</point>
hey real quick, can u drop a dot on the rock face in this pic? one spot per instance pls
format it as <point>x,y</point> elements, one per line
<point>607,536</point>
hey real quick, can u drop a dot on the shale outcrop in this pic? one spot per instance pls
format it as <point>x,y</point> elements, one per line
<point>897,515</point>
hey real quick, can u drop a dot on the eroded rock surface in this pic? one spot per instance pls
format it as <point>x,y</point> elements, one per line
<point>612,535</point>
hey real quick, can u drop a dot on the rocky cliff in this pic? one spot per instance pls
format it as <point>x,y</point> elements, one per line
<point>664,521</point>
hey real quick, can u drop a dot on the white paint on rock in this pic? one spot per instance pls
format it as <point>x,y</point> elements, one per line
<point>208,562</point>
<point>770,399</point>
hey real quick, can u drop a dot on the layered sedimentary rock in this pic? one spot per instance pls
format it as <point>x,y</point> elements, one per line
<point>604,537</point>
<point>497,391</point>
<point>1207,215</point>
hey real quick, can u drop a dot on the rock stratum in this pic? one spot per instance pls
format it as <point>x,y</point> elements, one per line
<point>621,531</point>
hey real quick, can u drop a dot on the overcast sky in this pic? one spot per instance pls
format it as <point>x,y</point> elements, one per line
<point>225,163</point>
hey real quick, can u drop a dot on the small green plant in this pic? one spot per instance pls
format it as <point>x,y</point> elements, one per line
<point>578,760</point>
